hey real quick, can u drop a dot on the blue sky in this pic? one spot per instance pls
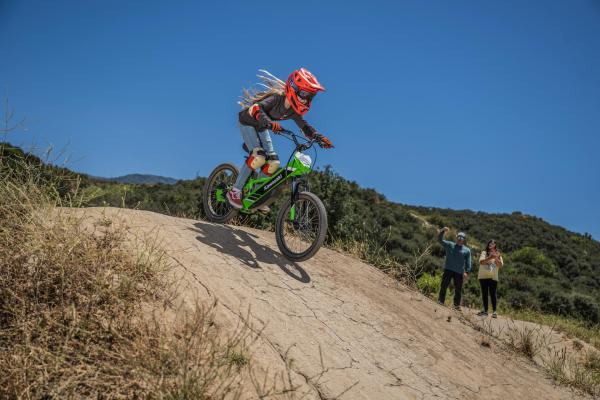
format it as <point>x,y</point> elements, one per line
<point>491,106</point>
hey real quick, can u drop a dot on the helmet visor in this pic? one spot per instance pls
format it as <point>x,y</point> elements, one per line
<point>305,95</point>
<point>301,93</point>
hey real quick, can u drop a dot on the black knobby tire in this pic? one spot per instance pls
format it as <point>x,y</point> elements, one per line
<point>308,229</point>
<point>223,177</point>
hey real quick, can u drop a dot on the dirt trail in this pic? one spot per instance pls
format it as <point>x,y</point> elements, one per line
<point>347,327</point>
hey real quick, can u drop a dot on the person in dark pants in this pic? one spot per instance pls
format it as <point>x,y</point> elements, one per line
<point>457,266</point>
<point>490,262</point>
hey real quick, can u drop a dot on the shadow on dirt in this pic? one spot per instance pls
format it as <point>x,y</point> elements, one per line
<point>232,241</point>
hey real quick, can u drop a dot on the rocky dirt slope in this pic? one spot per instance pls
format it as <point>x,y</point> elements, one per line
<point>342,326</point>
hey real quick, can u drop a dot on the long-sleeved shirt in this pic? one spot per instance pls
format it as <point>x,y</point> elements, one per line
<point>272,108</point>
<point>458,258</point>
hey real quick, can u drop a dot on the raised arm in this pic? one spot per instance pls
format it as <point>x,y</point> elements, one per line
<point>441,240</point>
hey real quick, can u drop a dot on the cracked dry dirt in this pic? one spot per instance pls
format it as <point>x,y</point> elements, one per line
<point>347,327</point>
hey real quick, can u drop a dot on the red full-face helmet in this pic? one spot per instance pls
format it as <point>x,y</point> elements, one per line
<point>300,89</point>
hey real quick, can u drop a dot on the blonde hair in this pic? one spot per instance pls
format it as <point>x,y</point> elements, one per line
<point>269,84</point>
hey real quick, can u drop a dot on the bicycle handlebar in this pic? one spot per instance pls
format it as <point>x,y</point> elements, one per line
<point>299,146</point>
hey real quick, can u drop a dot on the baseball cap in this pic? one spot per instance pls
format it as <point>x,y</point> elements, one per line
<point>461,235</point>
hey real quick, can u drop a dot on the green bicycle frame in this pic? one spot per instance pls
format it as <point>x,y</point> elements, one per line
<point>258,189</point>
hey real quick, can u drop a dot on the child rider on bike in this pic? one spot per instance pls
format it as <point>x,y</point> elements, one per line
<point>282,101</point>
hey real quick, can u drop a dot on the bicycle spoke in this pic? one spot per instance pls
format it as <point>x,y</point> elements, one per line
<point>301,233</point>
<point>223,182</point>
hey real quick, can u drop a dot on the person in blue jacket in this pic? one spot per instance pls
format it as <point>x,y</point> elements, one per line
<point>457,266</point>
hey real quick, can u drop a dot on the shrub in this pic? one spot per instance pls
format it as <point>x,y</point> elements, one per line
<point>586,308</point>
<point>437,220</point>
<point>520,300</point>
<point>557,303</point>
<point>429,284</point>
<point>521,283</point>
<point>536,258</point>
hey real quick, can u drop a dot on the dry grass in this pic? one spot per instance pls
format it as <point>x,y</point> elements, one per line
<point>527,339</point>
<point>369,251</point>
<point>365,249</point>
<point>488,331</point>
<point>571,327</point>
<point>81,311</point>
<point>579,369</point>
<point>568,370</point>
<point>592,361</point>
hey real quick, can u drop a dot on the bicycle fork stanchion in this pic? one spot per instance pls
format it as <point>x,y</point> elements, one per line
<point>294,200</point>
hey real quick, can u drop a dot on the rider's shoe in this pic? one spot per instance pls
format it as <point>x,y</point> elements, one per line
<point>234,196</point>
<point>264,209</point>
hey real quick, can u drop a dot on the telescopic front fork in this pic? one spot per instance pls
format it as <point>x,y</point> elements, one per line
<point>298,185</point>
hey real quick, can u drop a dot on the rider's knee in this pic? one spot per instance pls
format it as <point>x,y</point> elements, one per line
<point>271,165</point>
<point>256,158</point>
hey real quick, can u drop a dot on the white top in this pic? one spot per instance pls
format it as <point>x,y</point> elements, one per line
<point>489,270</point>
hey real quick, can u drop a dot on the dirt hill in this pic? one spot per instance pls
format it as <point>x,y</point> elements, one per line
<point>343,327</point>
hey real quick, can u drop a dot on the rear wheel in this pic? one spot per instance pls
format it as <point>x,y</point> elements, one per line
<point>216,205</point>
<point>301,227</point>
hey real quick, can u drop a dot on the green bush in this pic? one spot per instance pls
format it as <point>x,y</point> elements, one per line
<point>535,258</point>
<point>429,284</point>
<point>586,308</point>
<point>556,303</point>
<point>521,300</point>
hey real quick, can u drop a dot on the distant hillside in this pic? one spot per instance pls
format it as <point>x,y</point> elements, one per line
<point>141,179</point>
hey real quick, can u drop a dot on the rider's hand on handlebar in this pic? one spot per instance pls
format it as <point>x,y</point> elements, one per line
<point>323,141</point>
<point>276,127</point>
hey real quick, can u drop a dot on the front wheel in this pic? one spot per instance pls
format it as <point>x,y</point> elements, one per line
<point>216,205</point>
<point>301,227</point>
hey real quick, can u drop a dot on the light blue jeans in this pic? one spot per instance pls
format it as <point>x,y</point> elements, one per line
<point>253,139</point>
